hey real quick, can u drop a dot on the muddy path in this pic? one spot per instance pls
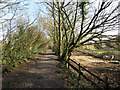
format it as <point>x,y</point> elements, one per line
<point>40,73</point>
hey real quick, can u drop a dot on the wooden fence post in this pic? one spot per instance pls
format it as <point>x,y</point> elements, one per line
<point>106,83</point>
<point>79,72</point>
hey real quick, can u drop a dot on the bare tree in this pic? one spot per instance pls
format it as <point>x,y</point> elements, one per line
<point>79,23</point>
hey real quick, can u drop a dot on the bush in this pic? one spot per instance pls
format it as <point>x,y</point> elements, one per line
<point>22,44</point>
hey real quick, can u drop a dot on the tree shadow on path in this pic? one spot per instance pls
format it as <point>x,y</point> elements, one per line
<point>38,74</point>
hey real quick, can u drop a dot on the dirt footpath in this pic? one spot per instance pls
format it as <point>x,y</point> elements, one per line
<point>40,73</point>
<point>100,68</point>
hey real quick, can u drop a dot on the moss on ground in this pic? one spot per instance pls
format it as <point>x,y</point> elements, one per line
<point>8,69</point>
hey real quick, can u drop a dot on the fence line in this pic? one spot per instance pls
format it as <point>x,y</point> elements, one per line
<point>81,73</point>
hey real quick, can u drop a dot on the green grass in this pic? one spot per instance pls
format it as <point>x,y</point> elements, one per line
<point>100,52</point>
<point>116,52</point>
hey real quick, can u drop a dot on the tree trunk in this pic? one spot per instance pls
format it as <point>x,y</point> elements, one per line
<point>60,31</point>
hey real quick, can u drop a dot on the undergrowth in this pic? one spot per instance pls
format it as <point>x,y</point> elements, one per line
<point>71,79</point>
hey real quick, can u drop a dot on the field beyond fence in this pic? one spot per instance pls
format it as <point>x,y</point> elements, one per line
<point>79,69</point>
